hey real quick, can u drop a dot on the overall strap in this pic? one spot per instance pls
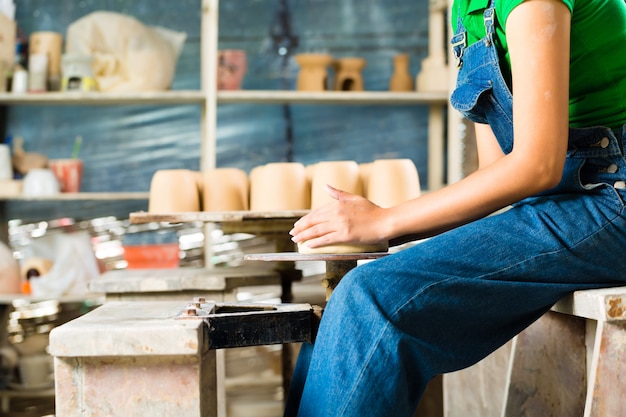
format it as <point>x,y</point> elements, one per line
<point>489,16</point>
<point>459,40</point>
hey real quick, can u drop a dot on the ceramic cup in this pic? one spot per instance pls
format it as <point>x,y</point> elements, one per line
<point>174,191</point>
<point>392,181</point>
<point>225,189</point>
<point>69,172</point>
<point>40,182</point>
<point>279,186</point>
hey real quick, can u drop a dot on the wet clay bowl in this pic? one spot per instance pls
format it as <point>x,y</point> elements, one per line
<point>225,189</point>
<point>174,191</point>
<point>279,186</point>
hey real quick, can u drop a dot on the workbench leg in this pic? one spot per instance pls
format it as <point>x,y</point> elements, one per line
<point>288,274</point>
<point>547,373</point>
<point>607,380</point>
<point>335,271</point>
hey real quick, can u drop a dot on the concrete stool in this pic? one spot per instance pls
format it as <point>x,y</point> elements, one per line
<point>158,358</point>
<point>570,363</point>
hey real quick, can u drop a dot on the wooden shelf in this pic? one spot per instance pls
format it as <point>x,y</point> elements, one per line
<point>83,196</point>
<point>106,99</point>
<point>330,97</point>
<point>182,97</point>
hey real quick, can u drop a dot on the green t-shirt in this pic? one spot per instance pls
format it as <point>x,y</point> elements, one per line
<point>597,62</point>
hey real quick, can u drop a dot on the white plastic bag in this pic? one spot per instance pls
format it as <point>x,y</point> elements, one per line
<point>74,265</point>
<point>128,55</point>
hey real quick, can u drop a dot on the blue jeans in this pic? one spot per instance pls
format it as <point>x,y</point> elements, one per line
<point>393,324</point>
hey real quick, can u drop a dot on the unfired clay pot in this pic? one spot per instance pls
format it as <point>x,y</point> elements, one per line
<point>348,75</point>
<point>401,79</point>
<point>313,74</point>
<point>225,189</point>
<point>364,172</point>
<point>392,181</point>
<point>174,191</point>
<point>346,176</point>
<point>279,186</point>
<point>343,175</point>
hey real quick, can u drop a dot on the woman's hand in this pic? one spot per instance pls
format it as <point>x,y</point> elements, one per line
<point>349,219</point>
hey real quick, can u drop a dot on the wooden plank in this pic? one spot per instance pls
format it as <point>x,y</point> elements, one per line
<point>548,373</point>
<point>258,328</point>
<point>296,256</point>
<point>216,216</point>
<point>242,325</point>
<point>331,97</point>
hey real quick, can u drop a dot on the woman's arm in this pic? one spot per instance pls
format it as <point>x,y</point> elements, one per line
<point>538,37</point>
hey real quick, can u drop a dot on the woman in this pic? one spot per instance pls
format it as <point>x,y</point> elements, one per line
<point>551,152</point>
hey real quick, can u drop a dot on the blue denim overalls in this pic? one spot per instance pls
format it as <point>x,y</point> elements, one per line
<point>444,304</point>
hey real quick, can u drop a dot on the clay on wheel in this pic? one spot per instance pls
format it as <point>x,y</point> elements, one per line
<point>345,248</point>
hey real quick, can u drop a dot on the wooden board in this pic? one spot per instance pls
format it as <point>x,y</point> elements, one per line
<point>296,256</point>
<point>216,216</point>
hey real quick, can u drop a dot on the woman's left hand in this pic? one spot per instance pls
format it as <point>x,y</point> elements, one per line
<point>349,218</point>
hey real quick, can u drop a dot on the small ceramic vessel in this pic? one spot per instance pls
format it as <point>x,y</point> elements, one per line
<point>279,186</point>
<point>225,189</point>
<point>343,175</point>
<point>392,181</point>
<point>348,74</point>
<point>313,74</point>
<point>174,191</point>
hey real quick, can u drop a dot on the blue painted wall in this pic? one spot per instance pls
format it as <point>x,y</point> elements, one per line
<point>124,145</point>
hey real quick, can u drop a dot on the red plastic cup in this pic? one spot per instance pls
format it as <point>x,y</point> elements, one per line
<point>69,172</point>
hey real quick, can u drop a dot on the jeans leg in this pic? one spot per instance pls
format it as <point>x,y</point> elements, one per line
<point>393,324</point>
<point>297,382</point>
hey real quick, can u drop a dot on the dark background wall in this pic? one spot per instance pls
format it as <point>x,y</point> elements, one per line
<point>124,145</point>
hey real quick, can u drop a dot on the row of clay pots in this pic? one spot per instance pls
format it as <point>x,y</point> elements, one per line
<point>286,186</point>
<point>313,74</point>
<point>281,186</point>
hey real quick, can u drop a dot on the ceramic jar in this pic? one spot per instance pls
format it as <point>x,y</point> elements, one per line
<point>348,76</point>
<point>174,191</point>
<point>392,181</point>
<point>401,79</point>
<point>49,44</point>
<point>313,74</point>
<point>279,186</point>
<point>225,189</point>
